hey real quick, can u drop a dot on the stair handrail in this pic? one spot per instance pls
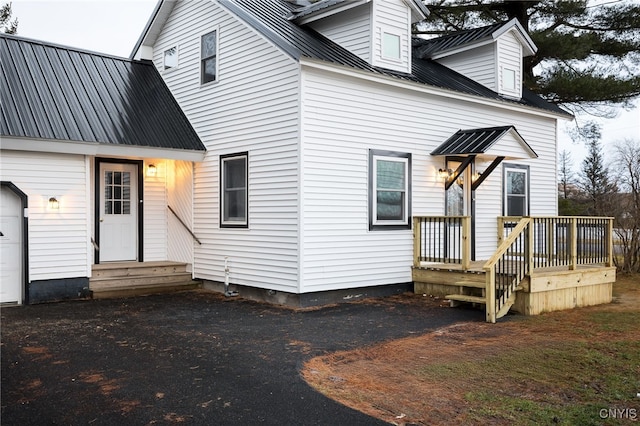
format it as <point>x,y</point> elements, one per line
<point>184,225</point>
<point>494,303</point>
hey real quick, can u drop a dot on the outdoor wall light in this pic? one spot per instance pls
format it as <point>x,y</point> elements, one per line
<point>54,204</point>
<point>151,170</point>
<point>444,174</point>
<point>476,176</point>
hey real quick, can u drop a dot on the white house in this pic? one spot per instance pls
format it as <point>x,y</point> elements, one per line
<point>327,128</point>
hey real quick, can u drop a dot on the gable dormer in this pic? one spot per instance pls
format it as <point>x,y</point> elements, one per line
<point>378,31</point>
<point>490,55</point>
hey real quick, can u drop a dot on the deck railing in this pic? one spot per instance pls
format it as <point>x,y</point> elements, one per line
<point>506,269</point>
<point>442,239</point>
<point>566,240</point>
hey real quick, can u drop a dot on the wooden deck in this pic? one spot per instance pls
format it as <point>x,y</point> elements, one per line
<point>541,264</point>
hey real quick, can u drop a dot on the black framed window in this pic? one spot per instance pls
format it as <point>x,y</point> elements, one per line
<point>516,190</point>
<point>209,57</point>
<point>389,190</point>
<point>234,190</point>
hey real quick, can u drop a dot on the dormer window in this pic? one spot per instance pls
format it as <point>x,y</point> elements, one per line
<point>508,79</point>
<point>390,46</point>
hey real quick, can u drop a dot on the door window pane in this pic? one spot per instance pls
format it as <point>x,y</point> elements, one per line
<point>117,192</point>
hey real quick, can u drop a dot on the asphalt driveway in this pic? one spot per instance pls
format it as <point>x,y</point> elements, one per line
<point>192,358</point>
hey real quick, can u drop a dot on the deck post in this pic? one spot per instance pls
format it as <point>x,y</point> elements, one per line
<point>610,242</point>
<point>530,244</point>
<point>466,242</point>
<point>490,292</point>
<point>417,232</point>
<point>574,244</point>
<point>500,230</point>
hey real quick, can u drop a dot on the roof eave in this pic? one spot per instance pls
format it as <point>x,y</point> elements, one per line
<point>521,34</point>
<point>154,24</point>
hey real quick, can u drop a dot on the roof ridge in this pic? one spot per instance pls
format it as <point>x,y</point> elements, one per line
<point>66,47</point>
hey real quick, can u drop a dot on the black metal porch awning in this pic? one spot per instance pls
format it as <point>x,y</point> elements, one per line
<point>502,141</point>
<point>496,143</point>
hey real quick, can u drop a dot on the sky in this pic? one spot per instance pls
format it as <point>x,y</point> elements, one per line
<point>114,26</point>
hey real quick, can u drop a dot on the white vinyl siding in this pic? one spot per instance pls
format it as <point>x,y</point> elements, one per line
<point>337,249</point>
<point>391,18</point>
<point>509,61</point>
<point>180,198</point>
<point>252,108</point>
<point>477,64</point>
<point>350,29</point>
<point>59,241</point>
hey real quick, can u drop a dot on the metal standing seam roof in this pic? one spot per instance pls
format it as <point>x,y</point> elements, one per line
<point>475,141</point>
<point>425,48</point>
<point>271,19</point>
<point>61,93</point>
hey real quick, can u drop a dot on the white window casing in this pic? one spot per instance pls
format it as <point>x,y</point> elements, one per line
<point>390,190</point>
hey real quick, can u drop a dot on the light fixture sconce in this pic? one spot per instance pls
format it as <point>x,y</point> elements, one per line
<point>54,204</point>
<point>444,174</point>
<point>476,176</point>
<point>152,171</point>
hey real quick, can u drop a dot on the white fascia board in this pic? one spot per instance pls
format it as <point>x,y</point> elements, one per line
<point>98,149</point>
<point>529,46</point>
<point>423,88</point>
<point>329,11</point>
<point>418,10</point>
<point>153,28</point>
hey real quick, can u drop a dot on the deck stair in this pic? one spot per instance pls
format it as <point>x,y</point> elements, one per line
<point>124,279</point>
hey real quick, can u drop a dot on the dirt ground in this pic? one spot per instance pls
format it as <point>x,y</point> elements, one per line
<point>382,380</point>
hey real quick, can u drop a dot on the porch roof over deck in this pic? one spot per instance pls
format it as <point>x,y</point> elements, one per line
<point>61,99</point>
<point>494,142</point>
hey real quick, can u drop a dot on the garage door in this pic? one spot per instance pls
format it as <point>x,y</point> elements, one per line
<point>10,246</point>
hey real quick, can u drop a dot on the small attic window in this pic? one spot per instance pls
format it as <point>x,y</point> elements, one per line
<point>390,46</point>
<point>171,58</point>
<point>508,79</point>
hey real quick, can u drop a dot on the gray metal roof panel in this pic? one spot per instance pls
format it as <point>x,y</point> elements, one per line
<point>425,48</point>
<point>60,93</point>
<point>472,141</point>
<point>271,19</point>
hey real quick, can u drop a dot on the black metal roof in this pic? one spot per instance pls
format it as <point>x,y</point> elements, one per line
<point>475,141</point>
<point>60,93</point>
<point>271,19</point>
<point>426,48</point>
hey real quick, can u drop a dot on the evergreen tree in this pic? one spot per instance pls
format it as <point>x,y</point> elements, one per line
<point>588,54</point>
<point>595,181</point>
<point>6,24</point>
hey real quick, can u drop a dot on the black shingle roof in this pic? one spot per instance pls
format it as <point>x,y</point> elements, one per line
<point>271,19</point>
<point>474,141</point>
<point>60,93</point>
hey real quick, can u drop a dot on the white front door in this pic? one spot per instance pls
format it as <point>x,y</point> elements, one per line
<point>118,214</point>
<point>10,247</point>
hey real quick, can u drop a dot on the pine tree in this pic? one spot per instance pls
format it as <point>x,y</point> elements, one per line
<point>588,54</point>
<point>6,24</point>
<point>595,181</point>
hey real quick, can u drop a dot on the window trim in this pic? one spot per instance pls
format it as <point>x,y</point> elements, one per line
<point>234,223</point>
<point>374,223</point>
<point>164,59</point>
<point>517,168</point>
<point>215,30</point>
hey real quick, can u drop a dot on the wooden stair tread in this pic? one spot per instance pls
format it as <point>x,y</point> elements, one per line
<point>140,277</point>
<point>466,298</point>
<point>474,284</point>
